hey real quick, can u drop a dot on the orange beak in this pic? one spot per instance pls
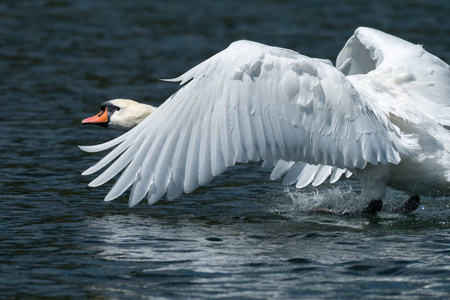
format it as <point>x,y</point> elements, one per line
<point>100,118</point>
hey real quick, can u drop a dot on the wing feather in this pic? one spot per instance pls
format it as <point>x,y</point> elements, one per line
<point>191,177</point>
<point>323,173</point>
<point>204,152</point>
<point>294,173</point>
<point>409,81</point>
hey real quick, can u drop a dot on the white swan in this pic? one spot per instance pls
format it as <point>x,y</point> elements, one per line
<point>381,115</point>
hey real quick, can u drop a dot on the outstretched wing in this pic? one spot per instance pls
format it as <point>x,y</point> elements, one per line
<point>248,102</point>
<point>402,83</point>
<point>402,78</point>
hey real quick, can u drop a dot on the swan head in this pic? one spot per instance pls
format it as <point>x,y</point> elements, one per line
<point>122,114</point>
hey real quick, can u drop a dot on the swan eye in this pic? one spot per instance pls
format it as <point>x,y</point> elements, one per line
<point>111,107</point>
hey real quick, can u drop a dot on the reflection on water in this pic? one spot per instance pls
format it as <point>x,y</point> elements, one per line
<point>241,236</point>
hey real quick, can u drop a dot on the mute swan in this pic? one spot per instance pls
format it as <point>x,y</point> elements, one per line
<point>380,115</point>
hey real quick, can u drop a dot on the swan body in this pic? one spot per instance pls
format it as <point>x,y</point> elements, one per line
<point>380,115</point>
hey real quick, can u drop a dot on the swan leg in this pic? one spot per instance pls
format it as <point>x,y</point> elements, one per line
<point>374,179</point>
<point>410,205</point>
<point>373,208</point>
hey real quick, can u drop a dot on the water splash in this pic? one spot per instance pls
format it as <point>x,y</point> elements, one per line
<point>340,200</point>
<point>334,200</point>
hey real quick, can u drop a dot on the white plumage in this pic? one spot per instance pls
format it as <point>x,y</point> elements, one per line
<point>378,115</point>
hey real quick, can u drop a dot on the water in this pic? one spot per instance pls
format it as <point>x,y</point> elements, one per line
<point>242,236</point>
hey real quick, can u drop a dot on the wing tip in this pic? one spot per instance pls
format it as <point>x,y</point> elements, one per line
<point>90,148</point>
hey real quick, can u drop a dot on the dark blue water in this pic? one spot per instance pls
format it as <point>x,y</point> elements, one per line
<point>242,236</point>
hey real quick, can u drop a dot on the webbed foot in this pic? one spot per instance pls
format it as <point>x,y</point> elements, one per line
<point>410,205</point>
<point>373,208</point>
